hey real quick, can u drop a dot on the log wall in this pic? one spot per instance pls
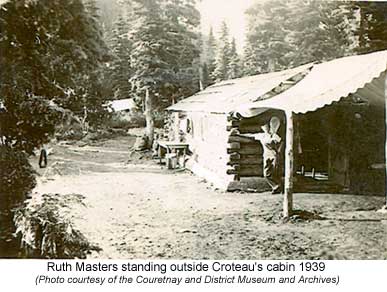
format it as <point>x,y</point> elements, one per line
<point>207,138</point>
<point>246,155</point>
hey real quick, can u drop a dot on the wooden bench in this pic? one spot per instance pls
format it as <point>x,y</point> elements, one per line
<point>172,147</point>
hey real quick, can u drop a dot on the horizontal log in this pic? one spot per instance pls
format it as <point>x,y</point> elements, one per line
<point>234,123</point>
<point>230,128</point>
<point>243,172</point>
<point>234,131</point>
<point>234,145</point>
<point>232,118</point>
<point>256,160</point>
<point>253,168</point>
<point>246,151</point>
<point>252,146</point>
<point>251,156</point>
<point>232,171</point>
<point>241,139</point>
<point>235,156</point>
<point>250,174</point>
<point>252,128</point>
<point>258,184</point>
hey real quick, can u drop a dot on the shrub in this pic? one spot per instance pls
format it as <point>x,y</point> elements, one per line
<point>134,119</point>
<point>126,120</point>
<point>27,122</point>
<point>45,229</point>
<point>17,177</point>
<point>159,119</point>
<point>16,181</point>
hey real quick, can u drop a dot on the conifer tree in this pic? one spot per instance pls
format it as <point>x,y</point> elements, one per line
<point>234,69</point>
<point>50,54</point>
<point>321,34</point>
<point>251,62</point>
<point>222,59</point>
<point>284,34</point>
<point>208,58</point>
<point>206,79</point>
<point>184,22</point>
<point>211,52</point>
<point>371,29</point>
<point>164,50</point>
<point>120,69</point>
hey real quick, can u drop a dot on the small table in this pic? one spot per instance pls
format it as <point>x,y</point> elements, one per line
<point>170,146</point>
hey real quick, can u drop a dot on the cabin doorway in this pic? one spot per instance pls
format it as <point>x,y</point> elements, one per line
<point>340,149</point>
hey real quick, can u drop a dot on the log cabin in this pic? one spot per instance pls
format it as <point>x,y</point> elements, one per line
<point>333,120</point>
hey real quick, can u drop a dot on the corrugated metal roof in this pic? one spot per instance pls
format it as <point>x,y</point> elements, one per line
<point>225,96</point>
<point>326,83</point>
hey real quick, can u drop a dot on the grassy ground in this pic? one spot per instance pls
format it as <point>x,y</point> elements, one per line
<point>136,208</point>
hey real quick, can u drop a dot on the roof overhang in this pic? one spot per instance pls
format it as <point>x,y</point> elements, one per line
<point>226,96</point>
<point>325,84</point>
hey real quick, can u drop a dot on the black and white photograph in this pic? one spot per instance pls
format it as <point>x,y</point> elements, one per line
<point>193,130</point>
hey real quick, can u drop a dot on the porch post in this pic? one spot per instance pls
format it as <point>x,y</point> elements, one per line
<point>288,193</point>
<point>385,152</point>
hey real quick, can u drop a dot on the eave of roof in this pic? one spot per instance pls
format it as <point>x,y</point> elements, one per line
<point>325,84</point>
<point>225,96</point>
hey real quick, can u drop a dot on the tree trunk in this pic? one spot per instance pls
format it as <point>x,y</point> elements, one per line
<point>85,127</point>
<point>149,118</point>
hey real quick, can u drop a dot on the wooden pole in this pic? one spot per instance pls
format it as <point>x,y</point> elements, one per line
<point>385,154</point>
<point>288,193</point>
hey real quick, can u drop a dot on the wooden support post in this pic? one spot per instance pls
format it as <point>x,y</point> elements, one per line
<point>288,194</point>
<point>385,105</point>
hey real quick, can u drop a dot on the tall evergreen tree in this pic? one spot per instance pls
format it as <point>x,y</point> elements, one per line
<point>321,34</point>
<point>164,50</point>
<point>184,22</point>
<point>250,60</point>
<point>372,26</point>
<point>210,53</point>
<point>91,85</point>
<point>109,11</point>
<point>208,58</point>
<point>290,33</point>
<point>50,50</point>
<point>120,69</point>
<point>267,35</point>
<point>206,78</point>
<point>222,59</point>
<point>234,69</point>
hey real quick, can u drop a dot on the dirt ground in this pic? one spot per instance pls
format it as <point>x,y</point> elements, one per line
<point>137,209</point>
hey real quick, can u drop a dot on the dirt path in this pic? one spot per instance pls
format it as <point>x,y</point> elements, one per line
<point>141,210</point>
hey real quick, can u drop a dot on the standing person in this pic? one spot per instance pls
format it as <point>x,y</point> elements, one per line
<point>43,157</point>
<point>271,144</point>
